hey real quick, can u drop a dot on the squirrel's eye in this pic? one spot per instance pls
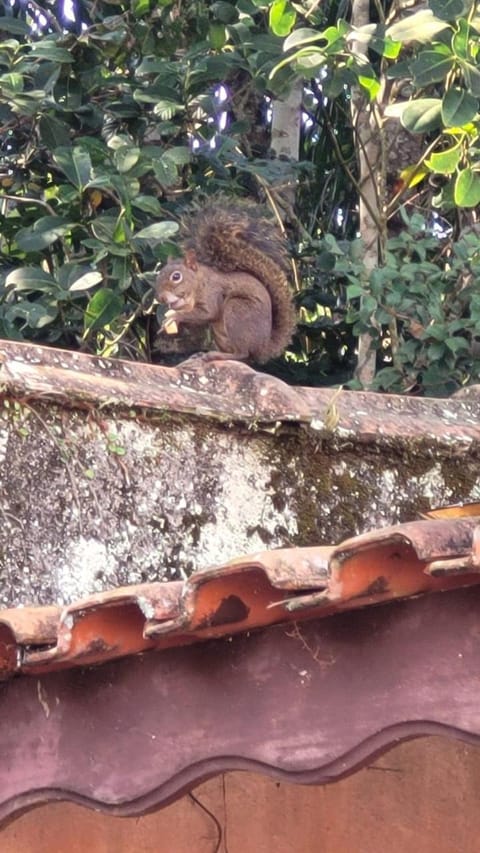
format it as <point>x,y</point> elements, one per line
<point>176,277</point>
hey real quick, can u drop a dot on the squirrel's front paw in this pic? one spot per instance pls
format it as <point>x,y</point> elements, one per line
<point>169,325</point>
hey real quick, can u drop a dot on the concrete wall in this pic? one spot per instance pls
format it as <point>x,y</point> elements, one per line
<point>115,473</point>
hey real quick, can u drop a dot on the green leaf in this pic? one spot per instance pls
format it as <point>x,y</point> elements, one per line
<point>121,272</point>
<point>422,115</point>
<point>472,78</point>
<point>124,109</point>
<point>326,261</point>
<point>12,82</point>
<point>70,272</point>
<point>15,26</point>
<point>467,188</point>
<point>217,35</point>
<point>282,17</point>
<point>126,157</point>
<point>36,314</point>
<point>384,47</point>
<point>150,65</point>
<point>68,94</point>
<point>304,35</point>
<point>335,38</point>
<point>104,306</point>
<point>27,103</point>
<point>141,7</point>
<point>420,27</point>
<point>46,77</point>
<point>76,164</point>
<point>449,10</point>
<point>165,109</point>
<point>432,376</point>
<point>30,278</point>
<point>86,281</point>
<point>468,130</point>
<point>371,85</point>
<point>431,66</point>
<point>369,305</point>
<point>455,345</point>
<point>148,204</point>
<point>157,231</point>
<point>103,227</point>
<point>461,40</point>
<point>399,70</point>
<point>413,175</point>
<point>121,231</point>
<point>165,171</point>
<point>458,107</point>
<point>354,291</point>
<point>53,132</point>
<point>475,307</point>
<point>436,351</point>
<point>42,233</point>
<point>438,332</point>
<point>391,48</point>
<point>47,50</point>
<point>309,59</point>
<point>387,378</point>
<point>445,162</point>
<point>333,246</point>
<point>225,12</point>
<point>180,155</point>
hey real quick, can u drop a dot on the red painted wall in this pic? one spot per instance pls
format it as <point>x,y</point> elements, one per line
<point>421,797</point>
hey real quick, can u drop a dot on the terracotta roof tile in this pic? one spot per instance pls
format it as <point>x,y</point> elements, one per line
<point>430,555</point>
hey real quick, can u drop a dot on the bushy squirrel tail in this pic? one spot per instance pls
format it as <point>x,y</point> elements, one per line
<point>236,236</point>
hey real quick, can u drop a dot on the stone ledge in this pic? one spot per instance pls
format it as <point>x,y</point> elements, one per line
<point>115,473</point>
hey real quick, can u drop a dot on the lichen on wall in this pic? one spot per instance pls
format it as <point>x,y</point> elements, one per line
<point>97,498</point>
<point>90,503</point>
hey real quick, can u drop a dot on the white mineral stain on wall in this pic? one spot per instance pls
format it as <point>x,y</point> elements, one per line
<point>87,567</point>
<point>432,483</point>
<point>201,506</point>
<point>3,445</point>
<point>244,509</point>
<point>223,485</point>
<point>475,493</point>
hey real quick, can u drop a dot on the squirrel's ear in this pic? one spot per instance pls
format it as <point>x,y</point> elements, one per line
<point>191,259</point>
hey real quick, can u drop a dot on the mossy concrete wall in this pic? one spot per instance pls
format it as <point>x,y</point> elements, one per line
<point>99,488</point>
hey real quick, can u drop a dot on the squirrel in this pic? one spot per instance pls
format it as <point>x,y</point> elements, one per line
<point>232,277</point>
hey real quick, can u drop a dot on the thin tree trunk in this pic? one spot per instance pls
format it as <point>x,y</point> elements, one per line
<point>285,142</point>
<point>370,153</point>
<point>286,121</point>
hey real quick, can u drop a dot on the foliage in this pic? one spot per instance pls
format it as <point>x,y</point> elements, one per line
<point>109,121</point>
<point>433,54</point>
<point>419,306</point>
<point>424,303</point>
<point>445,77</point>
<point>112,118</point>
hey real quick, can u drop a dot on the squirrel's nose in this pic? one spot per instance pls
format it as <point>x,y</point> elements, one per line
<point>164,296</point>
<point>173,300</point>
